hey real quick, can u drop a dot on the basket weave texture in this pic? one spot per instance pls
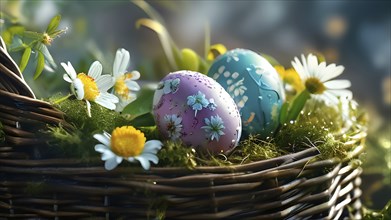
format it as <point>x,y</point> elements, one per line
<point>35,187</point>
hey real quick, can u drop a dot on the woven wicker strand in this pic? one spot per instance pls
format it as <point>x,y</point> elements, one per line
<point>32,186</point>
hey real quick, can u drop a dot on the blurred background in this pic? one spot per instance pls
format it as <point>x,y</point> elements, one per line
<point>356,35</point>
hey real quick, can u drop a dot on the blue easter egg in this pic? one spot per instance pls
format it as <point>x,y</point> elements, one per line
<point>254,85</point>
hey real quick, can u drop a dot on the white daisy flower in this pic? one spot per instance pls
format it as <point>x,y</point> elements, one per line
<point>92,87</point>
<point>127,143</point>
<point>125,86</point>
<point>316,78</point>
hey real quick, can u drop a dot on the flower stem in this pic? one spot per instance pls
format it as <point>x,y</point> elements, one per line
<point>62,99</point>
<point>297,105</point>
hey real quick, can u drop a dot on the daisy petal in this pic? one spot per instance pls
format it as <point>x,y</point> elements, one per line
<point>107,155</point>
<point>107,100</point>
<point>132,85</point>
<point>78,88</point>
<point>331,72</point>
<point>111,164</point>
<point>124,62</point>
<point>107,134</point>
<point>67,78</point>
<point>105,82</point>
<point>151,157</point>
<point>95,70</point>
<point>70,70</point>
<point>121,62</point>
<point>299,68</point>
<point>144,162</point>
<point>152,146</point>
<point>124,102</point>
<point>329,98</point>
<point>338,84</point>
<point>119,159</point>
<point>135,75</point>
<point>88,108</point>
<point>103,139</point>
<point>100,148</point>
<point>312,65</point>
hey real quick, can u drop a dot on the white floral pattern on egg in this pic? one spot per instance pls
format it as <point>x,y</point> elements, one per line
<point>255,87</point>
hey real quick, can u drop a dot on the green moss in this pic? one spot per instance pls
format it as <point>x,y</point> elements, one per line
<point>79,143</point>
<point>318,126</point>
<point>102,118</point>
<point>175,154</point>
<point>254,148</point>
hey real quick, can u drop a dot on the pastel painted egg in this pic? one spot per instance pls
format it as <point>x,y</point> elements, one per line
<point>254,85</point>
<point>195,109</point>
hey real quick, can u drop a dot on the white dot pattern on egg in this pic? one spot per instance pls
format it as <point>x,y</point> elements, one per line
<point>195,109</point>
<point>255,87</point>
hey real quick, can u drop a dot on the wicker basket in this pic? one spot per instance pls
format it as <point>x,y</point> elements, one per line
<point>287,187</point>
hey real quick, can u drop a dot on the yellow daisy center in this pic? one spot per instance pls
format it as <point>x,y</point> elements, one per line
<point>120,87</point>
<point>314,86</point>
<point>91,90</point>
<point>127,141</point>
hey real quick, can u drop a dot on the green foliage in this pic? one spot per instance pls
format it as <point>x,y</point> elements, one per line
<point>9,33</point>
<point>25,59</point>
<point>40,65</point>
<point>142,105</point>
<point>79,143</point>
<point>18,38</point>
<point>52,27</point>
<point>293,111</point>
<point>249,150</point>
<point>175,154</point>
<point>178,59</point>
<point>316,126</point>
<point>254,149</point>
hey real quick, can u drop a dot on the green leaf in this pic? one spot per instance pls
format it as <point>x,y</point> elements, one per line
<point>165,39</point>
<point>142,105</point>
<point>16,30</point>
<point>298,105</point>
<point>284,112</point>
<point>144,120</point>
<point>48,57</point>
<point>33,35</point>
<point>40,65</point>
<point>189,61</point>
<point>57,33</point>
<point>204,66</point>
<point>53,24</point>
<point>150,11</point>
<point>25,59</point>
<point>7,37</point>
<point>17,44</point>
